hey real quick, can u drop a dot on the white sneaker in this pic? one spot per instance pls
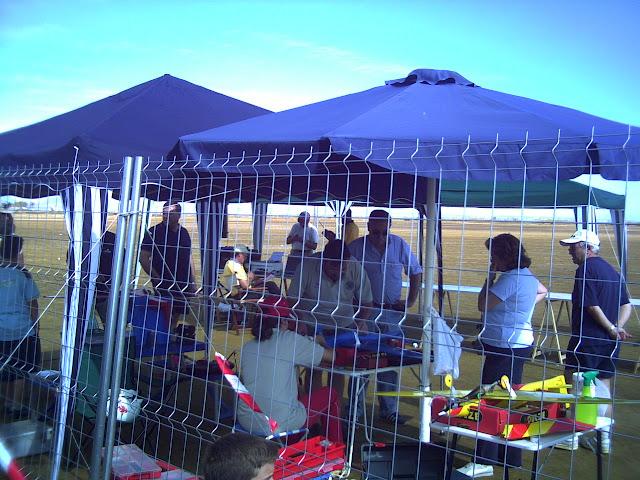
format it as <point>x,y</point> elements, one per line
<point>605,446</point>
<point>476,470</point>
<point>571,443</point>
<point>591,443</point>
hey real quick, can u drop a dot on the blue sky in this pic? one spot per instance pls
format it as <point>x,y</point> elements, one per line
<point>61,55</point>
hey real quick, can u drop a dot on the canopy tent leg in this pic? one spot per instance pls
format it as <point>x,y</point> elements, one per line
<point>430,255</point>
<point>259,223</point>
<point>210,216</point>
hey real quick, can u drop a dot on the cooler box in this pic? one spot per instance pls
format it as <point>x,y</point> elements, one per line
<point>129,462</point>
<point>313,458</point>
<point>403,461</point>
<point>26,437</point>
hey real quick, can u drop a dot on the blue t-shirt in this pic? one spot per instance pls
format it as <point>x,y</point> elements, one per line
<point>508,324</point>
<point>17,289</point>
<point>596,284</point>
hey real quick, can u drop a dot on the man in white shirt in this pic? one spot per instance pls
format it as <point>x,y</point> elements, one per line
<point>303,238</point>
<point>384,257</point>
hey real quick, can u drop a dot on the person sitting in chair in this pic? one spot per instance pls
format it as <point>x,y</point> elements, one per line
<point>268,367</point>
<point>236,283</point>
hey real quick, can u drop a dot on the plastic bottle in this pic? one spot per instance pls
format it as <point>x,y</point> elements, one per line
<point>587,413</point>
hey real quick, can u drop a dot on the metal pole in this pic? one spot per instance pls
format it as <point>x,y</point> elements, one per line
<point>123,315</point>
<point>427,292</point>
<point>110,327</point>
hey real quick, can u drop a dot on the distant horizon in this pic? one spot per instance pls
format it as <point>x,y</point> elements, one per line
<point>481,214</point>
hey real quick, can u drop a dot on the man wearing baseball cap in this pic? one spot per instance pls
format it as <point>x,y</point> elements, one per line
<point>600,309</point>
<point>237,283</point>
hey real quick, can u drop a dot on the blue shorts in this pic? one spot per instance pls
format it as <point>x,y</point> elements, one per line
<point>602,358</point>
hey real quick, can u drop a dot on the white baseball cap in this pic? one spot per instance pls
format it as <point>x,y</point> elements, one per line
<point>240,248</point>
<point>586,236</point>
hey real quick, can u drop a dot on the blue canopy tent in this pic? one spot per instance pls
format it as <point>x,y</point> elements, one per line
<point>87,145</point>
<point>392,144</point>
<point>79,155</point>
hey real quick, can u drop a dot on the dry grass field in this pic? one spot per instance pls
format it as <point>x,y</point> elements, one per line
<point>465,263</point>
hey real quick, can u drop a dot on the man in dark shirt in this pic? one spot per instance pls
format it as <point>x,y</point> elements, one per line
<point>166,257</point>
<point>600,310</point>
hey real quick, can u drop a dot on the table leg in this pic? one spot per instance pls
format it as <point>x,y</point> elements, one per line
<point>537,350</point>
<point>353,413</point>
<point>361,384</point>
<point>534,466</point>
<point>451,453</point>
<point>555,329</point>
<point>599,452</point>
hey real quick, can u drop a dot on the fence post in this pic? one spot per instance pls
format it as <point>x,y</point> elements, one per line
<point>112,317</point>
<point>123,314</point>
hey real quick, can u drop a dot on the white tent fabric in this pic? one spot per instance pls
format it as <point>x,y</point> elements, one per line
<point>85,217</point>
<point>339,208</point>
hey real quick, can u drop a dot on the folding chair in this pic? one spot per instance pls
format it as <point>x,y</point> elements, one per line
<point>150,326</point>
<point>230,306</point>
<point>276,257</point>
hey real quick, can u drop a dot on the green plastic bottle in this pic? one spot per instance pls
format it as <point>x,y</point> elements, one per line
<point>586,413</point>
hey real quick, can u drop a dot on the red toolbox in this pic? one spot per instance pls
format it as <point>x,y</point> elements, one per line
<point>309,459</point>
<point>129,462</point>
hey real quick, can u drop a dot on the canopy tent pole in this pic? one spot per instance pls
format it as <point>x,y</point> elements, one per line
<point>620,227</point>
<point>145,207</point>
<point>427,302</point>
<point>210,215</point>
<point>110,325</point>
<point>259,210</point>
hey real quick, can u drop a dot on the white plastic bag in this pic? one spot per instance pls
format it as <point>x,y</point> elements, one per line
<point>602,391</point>
<point>446,347</point>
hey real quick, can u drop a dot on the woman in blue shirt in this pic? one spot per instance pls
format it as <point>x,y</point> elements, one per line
<point>18,330</point>
<point>507,304</point>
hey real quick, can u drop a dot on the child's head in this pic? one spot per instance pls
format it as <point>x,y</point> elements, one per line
<point>240,456</point>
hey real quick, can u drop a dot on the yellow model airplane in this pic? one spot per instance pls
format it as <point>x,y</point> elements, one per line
<point>536,408</point>
<point>545,391</point>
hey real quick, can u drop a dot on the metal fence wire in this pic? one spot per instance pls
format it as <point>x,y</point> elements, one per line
<point>154,306</point>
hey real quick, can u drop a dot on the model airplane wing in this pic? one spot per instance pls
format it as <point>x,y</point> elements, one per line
<point>520,396</point>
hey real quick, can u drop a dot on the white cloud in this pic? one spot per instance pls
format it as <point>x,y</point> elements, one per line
<point>346,60</point>
<point>28,32</point>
